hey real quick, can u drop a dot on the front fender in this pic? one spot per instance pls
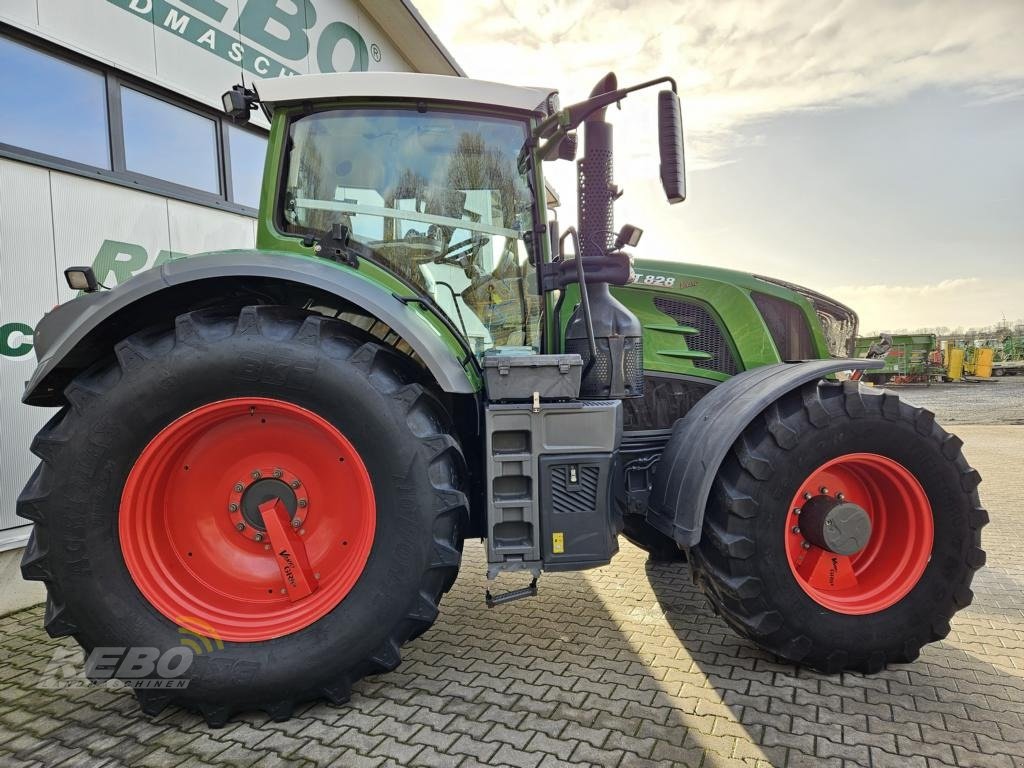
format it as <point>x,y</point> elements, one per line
<point>62,336</point>
<point>700,440</point>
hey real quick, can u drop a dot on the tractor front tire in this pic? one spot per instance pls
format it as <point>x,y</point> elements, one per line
<point>767,563</point>
<point>153,504</point>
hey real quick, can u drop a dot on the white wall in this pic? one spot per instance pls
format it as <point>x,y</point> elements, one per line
<point>49,221</point>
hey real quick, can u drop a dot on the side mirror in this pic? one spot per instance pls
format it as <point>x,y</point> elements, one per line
<point>670,144</point>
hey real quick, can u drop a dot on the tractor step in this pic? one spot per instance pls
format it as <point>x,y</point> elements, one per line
<point>508,597</point>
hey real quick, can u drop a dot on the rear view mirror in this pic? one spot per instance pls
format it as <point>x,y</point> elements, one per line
<point>670,144</point>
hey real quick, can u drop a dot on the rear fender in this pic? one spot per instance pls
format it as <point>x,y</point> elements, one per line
<point>700,440</point>
<point>67,339</point>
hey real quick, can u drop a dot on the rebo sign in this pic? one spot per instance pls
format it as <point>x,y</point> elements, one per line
<point>275,34</point>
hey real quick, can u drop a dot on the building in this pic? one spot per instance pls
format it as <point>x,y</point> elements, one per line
<point>114,153</point>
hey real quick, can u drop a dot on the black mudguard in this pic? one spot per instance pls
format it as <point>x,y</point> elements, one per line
<point>62,338</point>
<point>700,440</point>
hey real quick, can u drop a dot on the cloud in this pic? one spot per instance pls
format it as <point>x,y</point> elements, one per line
<point>899,291</point>
<point>742,60</point>
<point>964,301</point>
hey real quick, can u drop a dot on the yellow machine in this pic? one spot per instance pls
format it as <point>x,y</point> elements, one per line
<point>955,362</point>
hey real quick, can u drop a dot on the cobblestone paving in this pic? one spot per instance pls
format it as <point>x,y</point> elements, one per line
<point>623,666</point>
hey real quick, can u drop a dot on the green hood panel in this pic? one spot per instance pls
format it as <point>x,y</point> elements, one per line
<point>731,336</point>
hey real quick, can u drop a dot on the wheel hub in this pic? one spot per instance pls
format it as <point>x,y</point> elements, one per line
<point>264,485</point>
<point>261,492</point>
<point>838,526</point>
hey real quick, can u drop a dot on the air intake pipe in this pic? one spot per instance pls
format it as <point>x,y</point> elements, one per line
<point>617,370</point>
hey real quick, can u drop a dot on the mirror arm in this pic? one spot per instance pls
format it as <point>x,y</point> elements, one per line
<point>584,292</point>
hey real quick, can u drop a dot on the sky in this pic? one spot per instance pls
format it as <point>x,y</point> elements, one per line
<point>870,149</point>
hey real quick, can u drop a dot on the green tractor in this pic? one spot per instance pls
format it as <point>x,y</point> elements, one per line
<point>280,452</point>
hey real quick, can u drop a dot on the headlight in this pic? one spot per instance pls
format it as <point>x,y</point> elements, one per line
<point>840,332</point>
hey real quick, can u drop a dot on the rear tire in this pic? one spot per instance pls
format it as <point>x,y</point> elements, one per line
<point>743,562</point>
<point>307,363</point>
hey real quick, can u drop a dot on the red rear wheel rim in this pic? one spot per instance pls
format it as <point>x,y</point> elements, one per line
<point>202,562</point>
<point>897,551</point>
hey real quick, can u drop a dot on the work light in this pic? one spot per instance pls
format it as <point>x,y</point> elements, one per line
<point>81,279</point>
<point>239,102</point>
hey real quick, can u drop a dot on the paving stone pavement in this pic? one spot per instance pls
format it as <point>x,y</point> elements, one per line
<point>621,666</point>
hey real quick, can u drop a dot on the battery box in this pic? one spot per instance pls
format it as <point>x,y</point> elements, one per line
<point>549,468</point>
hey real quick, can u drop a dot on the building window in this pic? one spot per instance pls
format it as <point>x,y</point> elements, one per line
<point>52,107</point>
<point>168,142</point>
<point>247,152</point>
<point>64,111</point>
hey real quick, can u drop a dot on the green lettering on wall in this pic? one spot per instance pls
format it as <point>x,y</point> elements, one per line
<point>220,42</point>
<point>7,348</point>
<point>119,261</point>
<point>332,35</point>
<point>257,15</point>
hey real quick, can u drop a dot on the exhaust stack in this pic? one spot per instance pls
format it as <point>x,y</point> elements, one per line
<point>617,370</point>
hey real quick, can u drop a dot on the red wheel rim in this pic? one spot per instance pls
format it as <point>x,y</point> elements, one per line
<point>897,551</point>
<point>194,544</point>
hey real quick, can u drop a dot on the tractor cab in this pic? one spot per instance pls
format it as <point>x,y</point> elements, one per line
<point>422,176</point>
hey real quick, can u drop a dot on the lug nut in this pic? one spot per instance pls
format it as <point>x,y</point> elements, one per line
<point>266,546</point>
<point>823,490</point>
<point>278,473</point>
<point>797,511</point>
<point>256,474</point>
<point>258,537</point>
<point>795,529</point>
<point>239,487</point>
<point>296,483</point>
<point>296,523</point>
<point>806,545</point>
<point>807,496</point>
<point>316,575</point>
<point>302,502</point>
<point>240,527</point>
<point>232,507</point>
<point>840,496</point>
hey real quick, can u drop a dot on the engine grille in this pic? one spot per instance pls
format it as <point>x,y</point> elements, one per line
<point>709,337</point>
<point>787,325</point>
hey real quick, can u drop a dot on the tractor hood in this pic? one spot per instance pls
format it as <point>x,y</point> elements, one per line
<point>831,326</point>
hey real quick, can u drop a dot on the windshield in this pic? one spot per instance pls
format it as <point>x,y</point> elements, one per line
<point>436,197</point>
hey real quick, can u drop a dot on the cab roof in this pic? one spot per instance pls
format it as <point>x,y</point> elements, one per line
<point>402,85</point>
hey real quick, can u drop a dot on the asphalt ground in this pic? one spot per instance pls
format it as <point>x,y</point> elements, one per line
<point>620,666</point>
